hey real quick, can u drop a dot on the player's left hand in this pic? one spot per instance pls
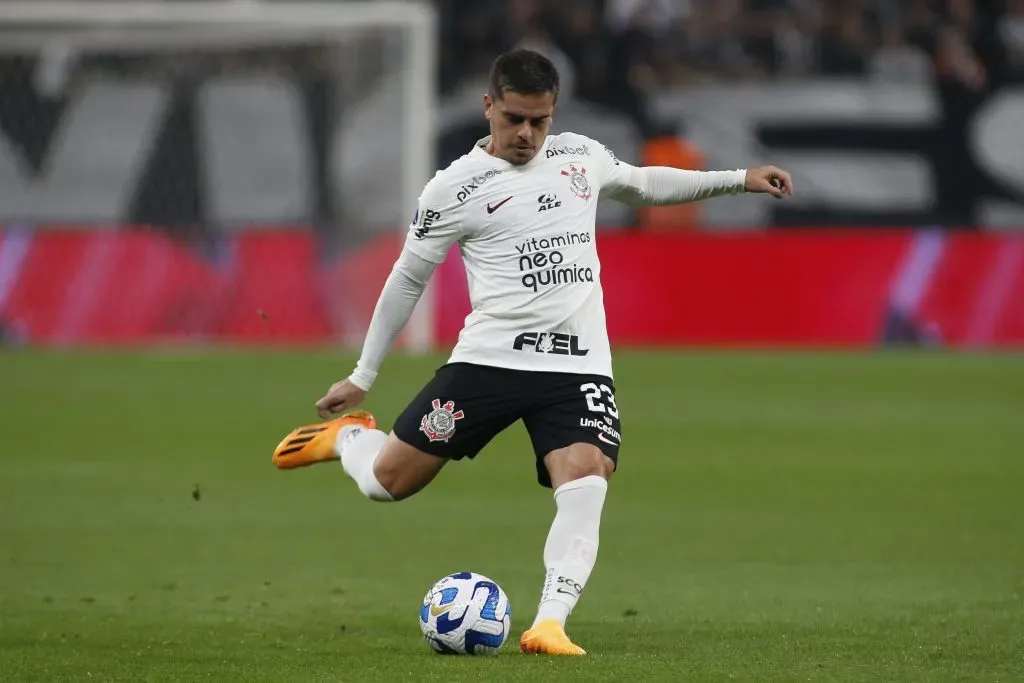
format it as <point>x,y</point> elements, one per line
<point>769,180</point>
<point>342,396</point>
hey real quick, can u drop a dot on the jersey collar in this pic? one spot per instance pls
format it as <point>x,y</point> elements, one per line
<point>480,150</point>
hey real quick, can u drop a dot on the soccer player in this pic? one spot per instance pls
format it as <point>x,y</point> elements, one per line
<point>522,206</point>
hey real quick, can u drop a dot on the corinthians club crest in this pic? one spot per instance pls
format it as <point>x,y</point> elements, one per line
<point>439,423</point>
<point>578,182</point>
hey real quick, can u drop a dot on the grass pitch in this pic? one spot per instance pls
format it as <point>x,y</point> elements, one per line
<point>774,517</point>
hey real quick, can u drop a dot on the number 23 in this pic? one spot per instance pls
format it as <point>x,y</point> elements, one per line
<point>594,395</point>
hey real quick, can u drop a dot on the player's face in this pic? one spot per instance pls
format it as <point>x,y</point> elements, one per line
<point>519,124</point>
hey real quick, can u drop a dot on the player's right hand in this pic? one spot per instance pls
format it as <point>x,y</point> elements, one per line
<point>340,397</point>
<point>769,180</point>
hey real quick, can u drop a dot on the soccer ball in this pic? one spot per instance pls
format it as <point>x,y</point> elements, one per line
<point>465,613</point>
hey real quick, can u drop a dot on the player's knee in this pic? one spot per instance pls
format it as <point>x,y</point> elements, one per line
<point>404,471</point>
<point>594,462</point>
<point>399,485</point>
<point>578,461</point>
<point>390,478</point>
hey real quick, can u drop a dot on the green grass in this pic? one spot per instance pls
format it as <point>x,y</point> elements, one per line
<point>775,517</point>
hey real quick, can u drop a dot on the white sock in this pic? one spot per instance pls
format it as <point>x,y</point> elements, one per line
<point>358,448</point>
<point>571,548</point>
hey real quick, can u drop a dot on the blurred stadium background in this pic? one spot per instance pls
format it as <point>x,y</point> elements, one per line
<point>199,202</point>
<point>163,181</point>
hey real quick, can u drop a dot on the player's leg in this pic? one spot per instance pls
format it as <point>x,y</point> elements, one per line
<point>384,467</point>
<point>579,473</point>
<point>454,416</point>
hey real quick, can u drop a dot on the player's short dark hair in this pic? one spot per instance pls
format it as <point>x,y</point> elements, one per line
<point>523,71</point>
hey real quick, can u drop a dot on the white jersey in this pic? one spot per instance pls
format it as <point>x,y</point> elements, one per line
<point>527,237</point>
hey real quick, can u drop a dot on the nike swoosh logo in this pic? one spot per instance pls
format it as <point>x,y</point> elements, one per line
<point>492,208</point>
<point>436,611</point>
<point>567,592</point>
<point>606,439</point>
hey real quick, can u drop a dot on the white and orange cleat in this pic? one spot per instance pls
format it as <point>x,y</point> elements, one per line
<point>548,638</point>
<point>312,444</point>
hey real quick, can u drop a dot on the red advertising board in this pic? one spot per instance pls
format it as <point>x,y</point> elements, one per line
<point>801,288</point>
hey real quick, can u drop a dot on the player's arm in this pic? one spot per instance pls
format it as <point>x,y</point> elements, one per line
<point>431,234</point>
<point>402,290</point>
<point>661,185</point>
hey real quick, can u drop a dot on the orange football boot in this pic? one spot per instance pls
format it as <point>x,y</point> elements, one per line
<point>311,444</point>
<point>548,638</point>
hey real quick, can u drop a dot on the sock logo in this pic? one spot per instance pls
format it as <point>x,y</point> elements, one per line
<point>569,587</point>
<point>352,433</point>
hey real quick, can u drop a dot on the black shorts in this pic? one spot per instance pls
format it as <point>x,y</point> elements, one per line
<point>466,405</point>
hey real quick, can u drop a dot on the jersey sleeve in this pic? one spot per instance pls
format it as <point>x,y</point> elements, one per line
<point>437,224</point>
<point>662,185</point>
<point>615,175</point>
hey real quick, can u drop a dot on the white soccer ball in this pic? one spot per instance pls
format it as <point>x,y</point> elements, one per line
<point>465,613</point>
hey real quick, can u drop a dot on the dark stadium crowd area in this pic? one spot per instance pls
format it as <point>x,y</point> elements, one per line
<point>612,52</point>
<point>615,52</point>
<point>622,56</point>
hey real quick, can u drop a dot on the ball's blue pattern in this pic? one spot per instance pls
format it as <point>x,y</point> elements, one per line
<point>465,613</point>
